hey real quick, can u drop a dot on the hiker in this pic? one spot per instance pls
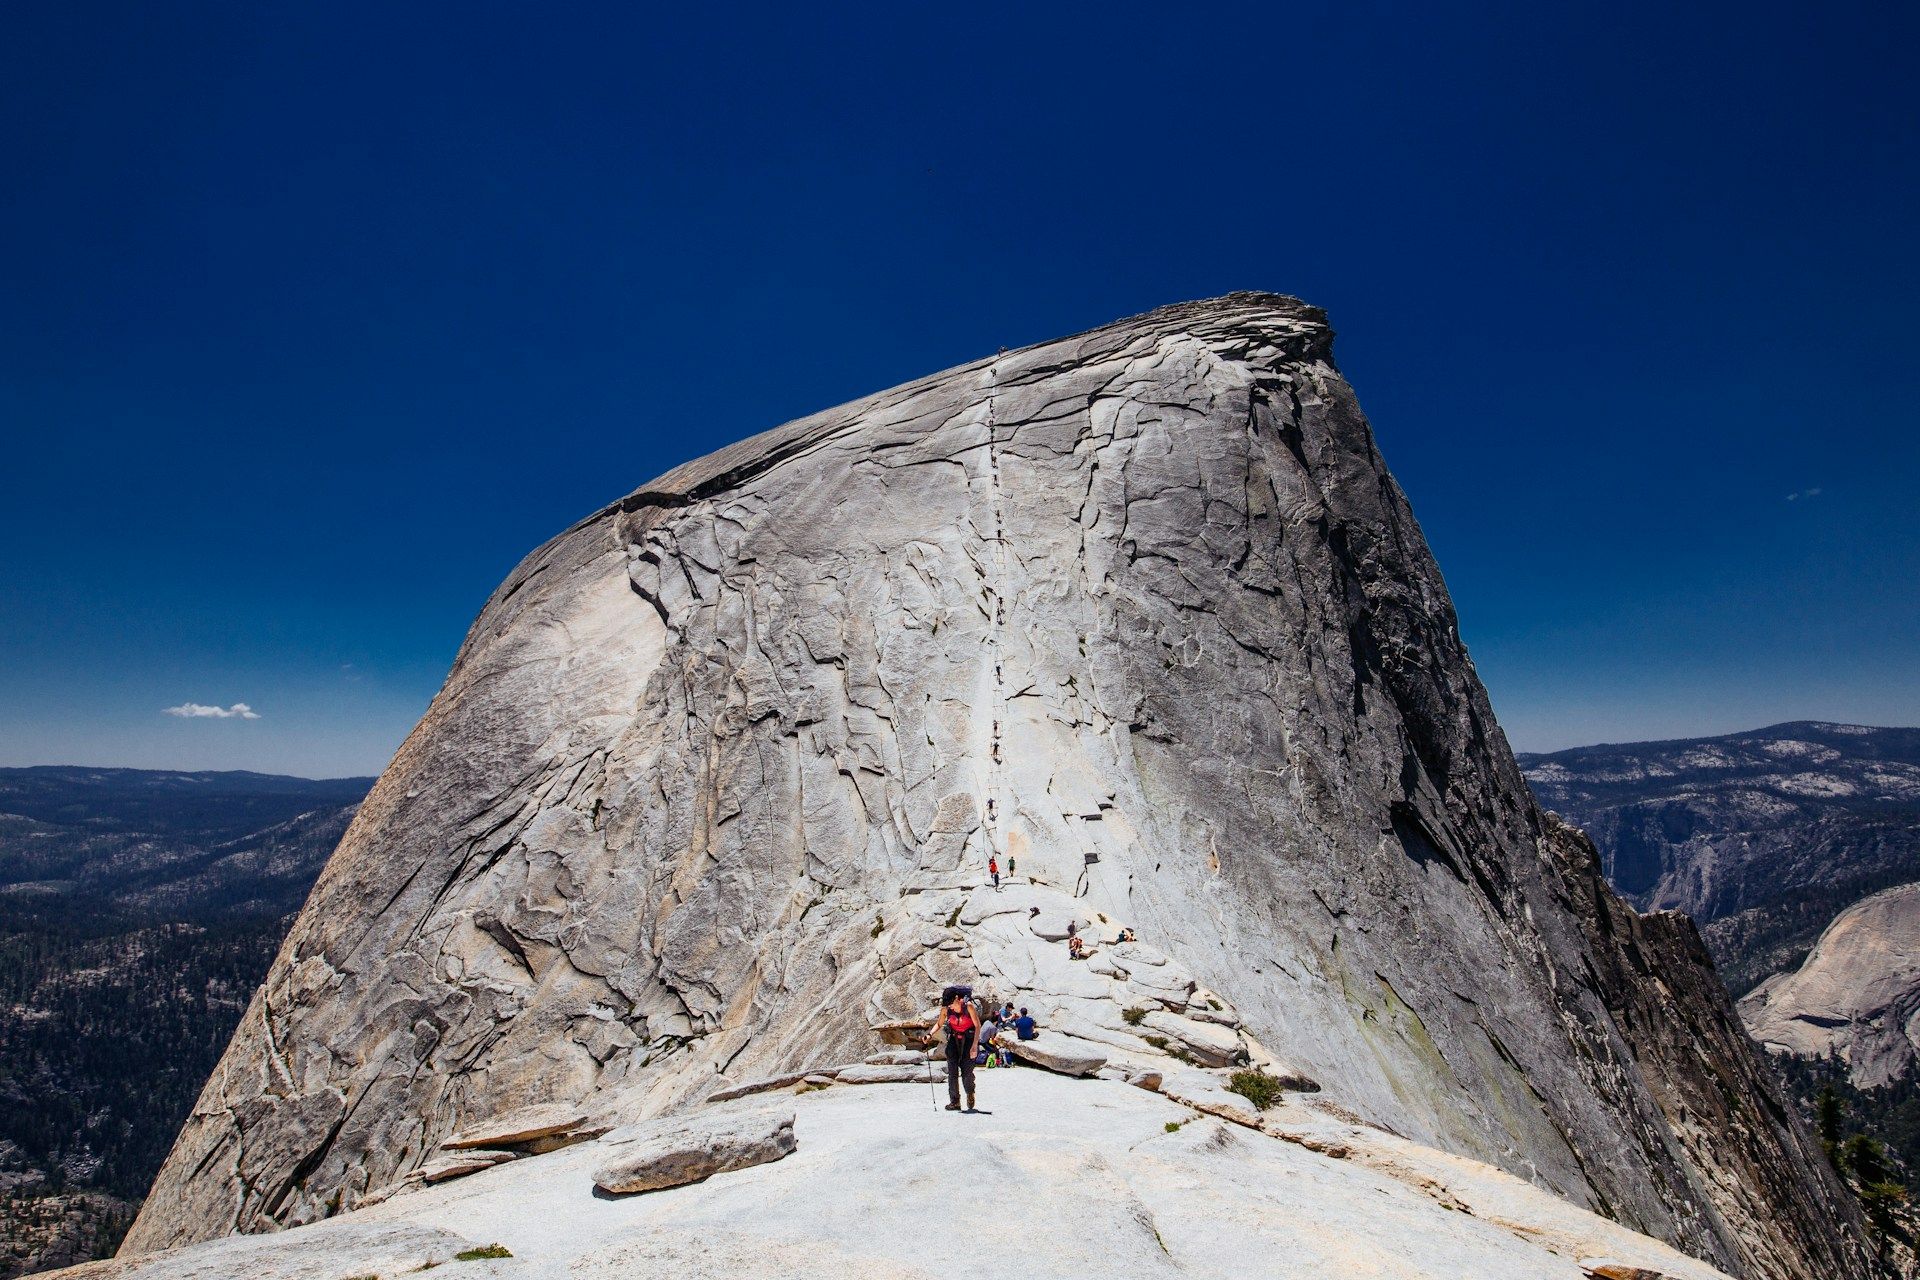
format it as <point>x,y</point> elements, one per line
<point>1023,1026</point>
<point>983,1055</point>
<point>1126,935</point>
<point>1076,949</point>
<point>1006,1015</point>
<point>993,869</point>
<point>962,1028</point>
<point>1010,865</point>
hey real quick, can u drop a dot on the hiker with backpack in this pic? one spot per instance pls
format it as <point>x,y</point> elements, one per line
<point>959,1021</point>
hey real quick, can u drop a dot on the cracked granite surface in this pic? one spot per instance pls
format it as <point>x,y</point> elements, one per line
<point>711,789</point>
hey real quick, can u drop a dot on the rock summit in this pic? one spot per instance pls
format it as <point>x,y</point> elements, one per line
<point>710,793</point>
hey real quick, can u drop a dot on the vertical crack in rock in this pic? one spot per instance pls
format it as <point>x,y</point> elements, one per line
<point>712,784</point>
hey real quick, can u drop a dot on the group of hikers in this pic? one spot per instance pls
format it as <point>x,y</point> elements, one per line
<point>1077,945</point>
<point>975,1036</point>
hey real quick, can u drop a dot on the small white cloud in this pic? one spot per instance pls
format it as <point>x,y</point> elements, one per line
<point>195,711</point>
<point>1803,493</point>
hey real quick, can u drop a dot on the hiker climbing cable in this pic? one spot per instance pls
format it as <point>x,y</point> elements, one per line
<point>993,869</point>
<point>962,1028</point>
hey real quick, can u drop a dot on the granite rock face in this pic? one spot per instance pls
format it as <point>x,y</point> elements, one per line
<point>1858,994</point>
<point>711,789</point>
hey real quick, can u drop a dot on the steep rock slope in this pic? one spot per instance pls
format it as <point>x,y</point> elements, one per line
<point>716,775</point>
<point>1763,837</point>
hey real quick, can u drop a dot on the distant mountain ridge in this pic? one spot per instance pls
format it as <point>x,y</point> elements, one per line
<point>185,844</point>
<point>1763,836</point>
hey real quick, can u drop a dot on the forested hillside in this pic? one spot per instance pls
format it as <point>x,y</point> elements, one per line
<point>138,911</point>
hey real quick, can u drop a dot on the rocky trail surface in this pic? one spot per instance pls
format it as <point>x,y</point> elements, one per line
<point>1090,1177</point>
<point>711,790</point>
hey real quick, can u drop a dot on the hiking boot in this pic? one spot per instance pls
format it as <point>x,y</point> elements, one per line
<point>953,1106</point>
<point>969,1102</point>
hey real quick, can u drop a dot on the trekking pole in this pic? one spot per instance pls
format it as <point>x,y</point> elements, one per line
<point>932,1088</point>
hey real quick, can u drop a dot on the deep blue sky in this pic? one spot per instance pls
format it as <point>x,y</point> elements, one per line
<point>315,318</point>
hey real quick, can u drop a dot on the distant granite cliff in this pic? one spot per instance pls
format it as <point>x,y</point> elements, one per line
<point>712,787</point>
<point>1857,995</point>
<point>1762,837</point>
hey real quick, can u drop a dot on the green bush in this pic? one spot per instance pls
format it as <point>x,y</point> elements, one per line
<point>484,1251</point>
<point>1257,1087</point>
<point>1134,1017</point>
<point>1173,1126</point>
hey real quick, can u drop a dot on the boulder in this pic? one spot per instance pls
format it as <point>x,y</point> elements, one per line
<point>767,1084</point>
<point>1609,1269</point>
<point>447,1168</point>
<point>882,1073</point>
<point>902,1030</point>
<point>675,1152</point>
<point>539,1121</point>
<point>1062,1053</point>
<point>338,1250</point>
<point>1209,1043</point>
<point>898,1058</point>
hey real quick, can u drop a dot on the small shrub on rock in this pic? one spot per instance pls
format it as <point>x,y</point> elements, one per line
<point>484,1251</point>
<point>1257,1087</point>
<point>1134,1017</point>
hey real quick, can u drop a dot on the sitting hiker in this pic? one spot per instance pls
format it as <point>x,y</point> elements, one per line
<point>1023,1026</point>
<point>983,1057</point>
<point>1076,949</point>
<point>1126,935</point>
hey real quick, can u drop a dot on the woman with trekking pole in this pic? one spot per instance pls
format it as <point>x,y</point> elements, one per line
<point>961,1025</point>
